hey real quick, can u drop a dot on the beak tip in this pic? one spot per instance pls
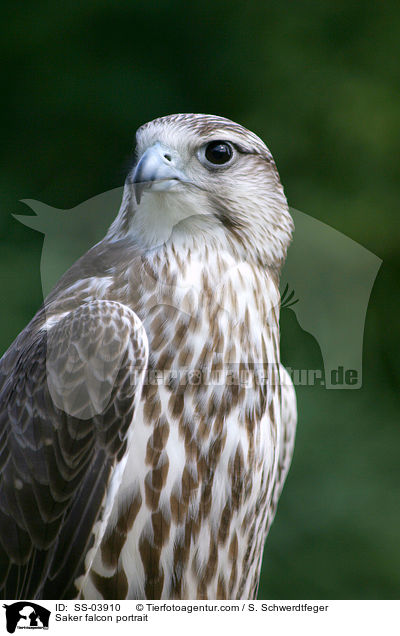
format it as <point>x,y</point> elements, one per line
<point>138,189</point>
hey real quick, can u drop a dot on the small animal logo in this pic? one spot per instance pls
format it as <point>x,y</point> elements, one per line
<point>26,615</point>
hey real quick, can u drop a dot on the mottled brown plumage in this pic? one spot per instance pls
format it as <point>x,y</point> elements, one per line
<point>147,425</point>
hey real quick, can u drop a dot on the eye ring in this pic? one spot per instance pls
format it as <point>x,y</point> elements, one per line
<point>217,153</point>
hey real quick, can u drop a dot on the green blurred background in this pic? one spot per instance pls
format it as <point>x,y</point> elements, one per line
<point>319,82</point>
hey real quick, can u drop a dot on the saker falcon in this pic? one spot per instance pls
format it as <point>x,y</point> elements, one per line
<point>146,422</point>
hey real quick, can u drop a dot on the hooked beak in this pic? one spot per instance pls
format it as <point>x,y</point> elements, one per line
<point>157,170</point>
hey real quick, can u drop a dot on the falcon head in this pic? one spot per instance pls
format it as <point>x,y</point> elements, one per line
<point>204,176</point>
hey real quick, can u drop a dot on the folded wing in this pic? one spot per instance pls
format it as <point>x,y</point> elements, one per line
<point>68,393</point>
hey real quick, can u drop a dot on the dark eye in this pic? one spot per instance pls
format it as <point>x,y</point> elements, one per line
<point>218,152</point>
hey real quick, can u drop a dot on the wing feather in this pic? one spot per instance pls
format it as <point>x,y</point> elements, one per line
<point>67,400</point>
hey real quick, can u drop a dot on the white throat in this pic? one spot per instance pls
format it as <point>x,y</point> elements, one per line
<point>163,217</point>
